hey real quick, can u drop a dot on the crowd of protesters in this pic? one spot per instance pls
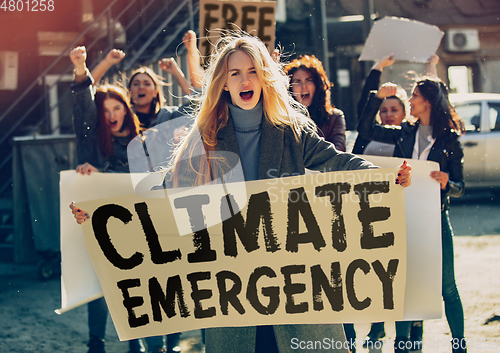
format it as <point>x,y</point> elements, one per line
<point>244,96</point>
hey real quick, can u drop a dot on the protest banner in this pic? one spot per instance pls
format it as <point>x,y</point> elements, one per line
<point>79,283</point>
<point>423,298</point>
<point>407,39</point>
<point>319,248</point>
<point>254,17</point>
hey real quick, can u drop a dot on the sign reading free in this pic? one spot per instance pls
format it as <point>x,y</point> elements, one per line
<point>254,17</point>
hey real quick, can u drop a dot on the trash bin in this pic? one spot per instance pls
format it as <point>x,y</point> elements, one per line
<point>37,161</point>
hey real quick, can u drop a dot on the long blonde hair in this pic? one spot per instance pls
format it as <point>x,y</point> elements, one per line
<point>280,109</point>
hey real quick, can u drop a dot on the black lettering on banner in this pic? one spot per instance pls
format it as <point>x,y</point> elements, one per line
<point>335,192</point>
<point>298,203</point>
<point>259,207</point>
<point>367,215</point>
<point>226,8</point>
<point>167,301</point>
<point>99,225</point>
<point>349,283</point>
<point>332,287</point>
<point>201,239</point>
<point>209,21</point>
<point>293,288</point>
<point>199,294</point>
<point>158,256</point>
<point>273,293</point>
<point>230,295</point>
<point>132,302</point>
<point>263,23</point>
<point>247,21</point>
<point>387,279</point>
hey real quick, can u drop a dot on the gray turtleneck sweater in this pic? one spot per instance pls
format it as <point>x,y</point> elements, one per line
<point>247,128</point>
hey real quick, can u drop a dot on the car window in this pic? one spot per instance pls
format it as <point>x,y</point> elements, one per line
<point>471,115</point>
<point>494,116</point>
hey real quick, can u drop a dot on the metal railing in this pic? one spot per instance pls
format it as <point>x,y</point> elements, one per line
<point>111,20</point>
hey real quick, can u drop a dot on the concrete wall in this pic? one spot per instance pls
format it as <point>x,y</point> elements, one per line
<point>492,76</point>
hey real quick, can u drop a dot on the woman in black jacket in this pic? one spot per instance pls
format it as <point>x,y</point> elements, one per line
<point>434,136</point>
<point>105,125</point>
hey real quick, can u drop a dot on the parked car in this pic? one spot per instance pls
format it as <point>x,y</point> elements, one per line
<point>481,141</point>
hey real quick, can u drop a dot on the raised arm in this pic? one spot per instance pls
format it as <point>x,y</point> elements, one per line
<point>78,57</point>
<point>372,82</point>
<point>112,58</point>
<point>84,109</point>
<point>368,128</point>
<point>170,66</point>
<point>383,63</point>
<point>196,72</point>
<point>432,66</point>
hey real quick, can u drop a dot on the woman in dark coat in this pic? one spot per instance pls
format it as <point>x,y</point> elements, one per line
<point>435,137</point>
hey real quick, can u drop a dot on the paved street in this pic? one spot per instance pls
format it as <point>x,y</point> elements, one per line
<point>477,213</point>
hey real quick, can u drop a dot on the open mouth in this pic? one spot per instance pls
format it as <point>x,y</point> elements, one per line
<point>113,123</point>
<point>246,95</point>
<point>304,96</point>
<point>141,95</point>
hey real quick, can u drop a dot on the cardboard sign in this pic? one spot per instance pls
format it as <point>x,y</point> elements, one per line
<point>407,39</point>
<point>318,248</point>
<point>79,283</point>
<point>254,17</point>
<point>423,241</point>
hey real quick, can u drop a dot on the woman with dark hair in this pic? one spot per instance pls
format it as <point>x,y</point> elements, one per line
<point>104,125</point>
<point>103,128</point>
<point>435,137</point>
<point>393,111</point>
<point>145,88</point>
<point>310,86</point>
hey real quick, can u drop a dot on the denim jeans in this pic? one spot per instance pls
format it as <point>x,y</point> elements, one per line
<point>452,303</point>
<point>98,315</point>
<point>159,341</point>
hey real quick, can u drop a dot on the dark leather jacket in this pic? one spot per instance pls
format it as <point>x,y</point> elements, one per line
<point>157,141</point>
<point>85,120</point>
<point>447,150</point>
<point>372,83</point>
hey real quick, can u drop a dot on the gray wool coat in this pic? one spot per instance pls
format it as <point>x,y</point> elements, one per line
<point>281,155</point>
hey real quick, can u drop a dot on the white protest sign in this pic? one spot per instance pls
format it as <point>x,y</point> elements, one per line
<point>407,39</point>
<point>318,248</point>
<point>79,283</point>
<point>254,17</point>
<point>423,227</point>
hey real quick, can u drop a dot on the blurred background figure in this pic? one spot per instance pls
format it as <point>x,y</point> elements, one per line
<point>433,136</point>
<point>104,125</point>
<point>310,86</point>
